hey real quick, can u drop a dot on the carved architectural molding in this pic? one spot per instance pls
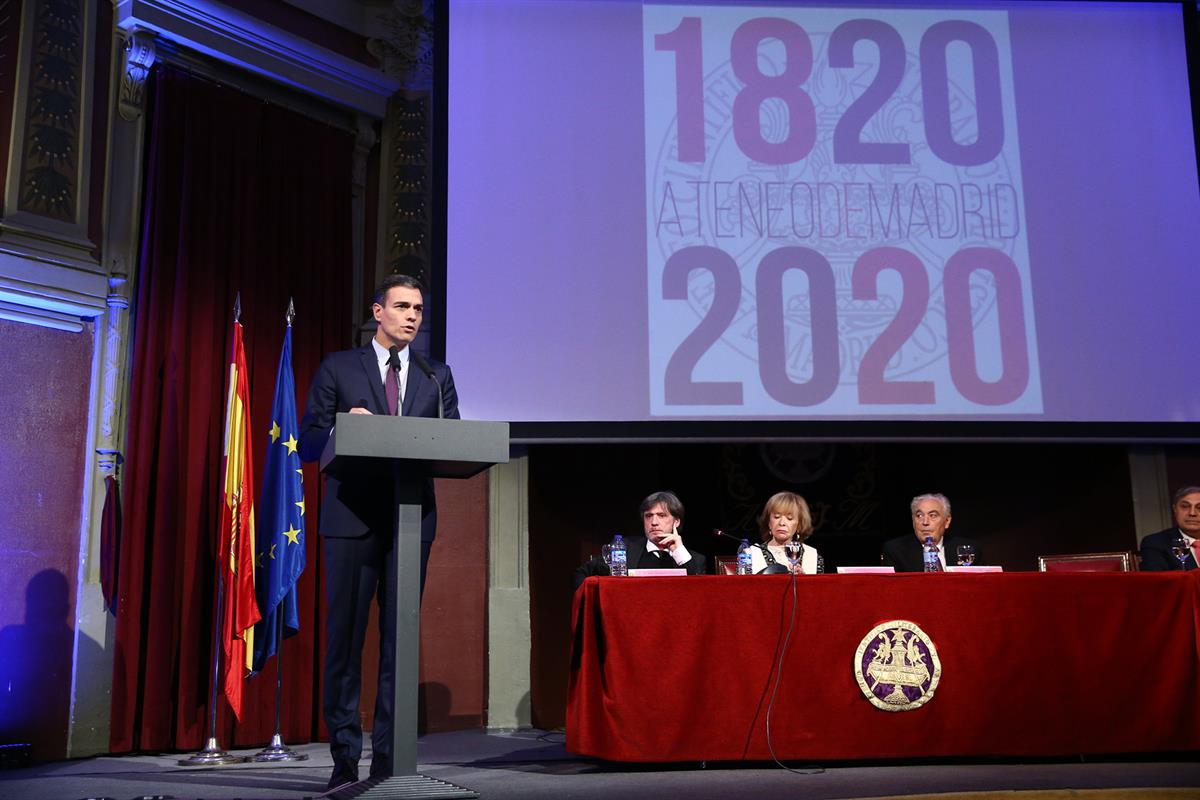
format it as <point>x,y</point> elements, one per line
<point>234,37</point>
<point>52,150</point>
<point>365,140</point>
<point>406,192</point>
<point>403,41</point>
<point>46,214</point>
<point>136,60</point>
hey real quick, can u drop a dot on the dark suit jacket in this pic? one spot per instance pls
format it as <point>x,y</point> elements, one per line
<point>906,553</point>
<point>359,498</point>
<point>637,557</point>
<point>1156,553</point>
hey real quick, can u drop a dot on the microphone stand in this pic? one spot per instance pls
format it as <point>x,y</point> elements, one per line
<point>420,361</point>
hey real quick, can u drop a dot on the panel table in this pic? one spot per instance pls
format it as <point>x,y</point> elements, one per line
<point>1032,664</point>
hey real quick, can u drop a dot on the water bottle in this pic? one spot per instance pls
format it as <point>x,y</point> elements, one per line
<point>745,561</point>
<point>820,564</point>
<point>932,563</point>
<point>619,567</point>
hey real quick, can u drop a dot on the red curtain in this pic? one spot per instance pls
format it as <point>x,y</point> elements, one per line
<point>240,196</point>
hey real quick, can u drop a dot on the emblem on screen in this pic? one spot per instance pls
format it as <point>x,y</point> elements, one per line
<point>834,229</point>
<point>897,666</point>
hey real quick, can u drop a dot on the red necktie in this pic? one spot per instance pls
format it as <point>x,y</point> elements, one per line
<point>1195,551</point>
<point>391,387</point>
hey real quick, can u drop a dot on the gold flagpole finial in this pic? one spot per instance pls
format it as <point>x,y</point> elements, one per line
<point>291,312</point>
<point>237,308</point>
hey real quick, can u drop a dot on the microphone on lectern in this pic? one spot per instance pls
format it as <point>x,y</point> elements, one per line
<point>423,365</point>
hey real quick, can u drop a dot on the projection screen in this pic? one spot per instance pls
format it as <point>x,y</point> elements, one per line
<point>779,211</point>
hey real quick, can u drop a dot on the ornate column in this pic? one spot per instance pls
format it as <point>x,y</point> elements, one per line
<point>365,140</point>
<point>90,696</point>
<point>403,42</point>
<point>404,45</point>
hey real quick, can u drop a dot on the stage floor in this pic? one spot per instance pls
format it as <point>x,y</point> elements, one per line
<point>533,764</point>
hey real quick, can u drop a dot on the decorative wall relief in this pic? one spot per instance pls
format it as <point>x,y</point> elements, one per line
<point>50,166</point>
<point>404,45</point>
<point>47,192</point>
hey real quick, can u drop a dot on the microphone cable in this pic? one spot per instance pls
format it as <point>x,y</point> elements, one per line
<point>775,688</point>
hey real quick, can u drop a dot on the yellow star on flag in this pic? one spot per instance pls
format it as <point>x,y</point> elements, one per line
<point>259,561</point>
<point>301,504</point>
<point>272,553</point>
<point>290,444</point>
<point>274,432</point>
<point>300,471</point>
<point>292,534</point>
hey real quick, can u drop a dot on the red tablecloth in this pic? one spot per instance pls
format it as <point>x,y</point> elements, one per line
<point>675,669</point>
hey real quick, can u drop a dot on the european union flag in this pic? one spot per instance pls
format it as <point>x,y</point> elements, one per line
<point>280,556</point>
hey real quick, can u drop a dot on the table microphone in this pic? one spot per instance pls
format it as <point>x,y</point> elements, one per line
<point>719,532</point>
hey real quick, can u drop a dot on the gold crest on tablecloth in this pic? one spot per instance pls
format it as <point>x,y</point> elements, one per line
<point>897,666</point>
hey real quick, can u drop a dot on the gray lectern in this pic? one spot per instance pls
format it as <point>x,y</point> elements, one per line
<point>439,448</point>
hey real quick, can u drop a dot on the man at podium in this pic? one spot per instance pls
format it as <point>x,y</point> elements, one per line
<point>358,520</point>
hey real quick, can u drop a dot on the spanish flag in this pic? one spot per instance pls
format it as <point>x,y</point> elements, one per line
<point>236,543</point>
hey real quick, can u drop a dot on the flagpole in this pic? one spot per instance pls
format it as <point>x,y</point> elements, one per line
<point>277,750</point>
<point>212,755</point>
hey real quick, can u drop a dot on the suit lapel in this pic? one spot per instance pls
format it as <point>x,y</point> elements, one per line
<point>416,383</point>
<point>371,368</point>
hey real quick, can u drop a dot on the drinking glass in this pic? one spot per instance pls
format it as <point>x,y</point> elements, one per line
<point>792,549</point>
<point>966,555</point>
<point>1180,550</point>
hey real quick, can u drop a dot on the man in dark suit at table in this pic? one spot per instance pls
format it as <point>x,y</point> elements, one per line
<point>1156,552</point>
<point>358,513</point>
<point>661,548</point>
<point>930,518</point>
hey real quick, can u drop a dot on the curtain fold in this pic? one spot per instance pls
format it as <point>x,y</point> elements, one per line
<point>240,196</point>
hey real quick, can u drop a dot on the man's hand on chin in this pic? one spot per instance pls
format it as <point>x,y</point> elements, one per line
<point>670,541</point>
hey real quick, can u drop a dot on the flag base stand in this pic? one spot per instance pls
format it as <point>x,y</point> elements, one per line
<point>402,786</point>
<point>211,756</point>
<point>278,751</point>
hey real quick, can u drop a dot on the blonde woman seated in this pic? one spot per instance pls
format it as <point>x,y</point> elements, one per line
<point>784,517</point>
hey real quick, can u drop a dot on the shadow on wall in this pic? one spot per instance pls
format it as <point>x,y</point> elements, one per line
<point>433,710</point>
<point>35,669</point>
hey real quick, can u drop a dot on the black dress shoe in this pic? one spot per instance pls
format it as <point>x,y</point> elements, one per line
<point>344,773</point>
<point>381,767</point>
